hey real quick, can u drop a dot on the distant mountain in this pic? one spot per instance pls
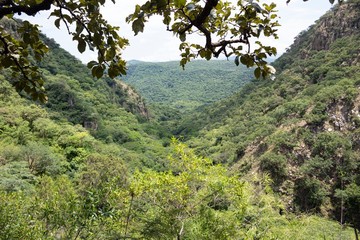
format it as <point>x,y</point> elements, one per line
<point>200,83</point>
<point>303,129</point>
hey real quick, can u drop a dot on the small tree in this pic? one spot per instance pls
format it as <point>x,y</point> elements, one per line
<point>181,202</point>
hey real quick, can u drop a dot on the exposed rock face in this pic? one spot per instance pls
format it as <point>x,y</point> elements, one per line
<point>343,20</point>
<point>340,22</point>
<point>342,115</point>
<point>135,102</point>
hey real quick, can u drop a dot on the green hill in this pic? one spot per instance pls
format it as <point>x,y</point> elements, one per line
<point>110,111</point>
<point>200,83</point>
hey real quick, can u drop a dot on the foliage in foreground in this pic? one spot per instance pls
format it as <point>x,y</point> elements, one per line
<point>195,199</point>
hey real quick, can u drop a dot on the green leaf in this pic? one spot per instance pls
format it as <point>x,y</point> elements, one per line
<point>261,55</point>
<point>161,4</point>
<point>257,72</point>
<point>138,26</point>
<point>237,61</point>
<point>79,28</point>
<point>26,38</point>
<point>180,3</point>
<point>91,64</point>
<point>182,37</point>
<point>7,62</point>
<point>244,60</point>
<point>208,55</point>
<point>99,71</point>
<point>57,23</point>
<point>247,60</point>
<point>94,70</point>
<point>167,20</point>
<point>81,45</point>
<point>67,18</point>
<point>97,39</point>
<point>113,72</point>
<point>110,54</point>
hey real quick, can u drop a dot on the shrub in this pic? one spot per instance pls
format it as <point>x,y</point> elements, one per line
<point>275,164</point>
<point>310,193</point>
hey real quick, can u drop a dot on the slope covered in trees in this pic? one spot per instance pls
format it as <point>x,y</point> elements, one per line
<point>68,184</point>
<point>303,128</point>
<point>109,110</point>
<point>200,83</point>
<point>90,164</point>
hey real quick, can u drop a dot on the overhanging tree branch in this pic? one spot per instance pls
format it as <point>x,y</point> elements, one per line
<point>199,21</point>
<point>29,10</point>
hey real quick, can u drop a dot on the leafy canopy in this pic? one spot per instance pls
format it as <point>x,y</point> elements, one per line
<point>226,26</point>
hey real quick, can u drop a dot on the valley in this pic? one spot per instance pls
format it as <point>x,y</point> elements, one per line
<point>208,152</point>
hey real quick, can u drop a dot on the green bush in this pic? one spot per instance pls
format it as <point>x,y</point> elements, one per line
<point>16,219</point>
<point>310,194</point>
<point>274,164</point>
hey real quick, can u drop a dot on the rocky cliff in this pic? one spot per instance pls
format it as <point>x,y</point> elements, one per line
<point>341,21</point>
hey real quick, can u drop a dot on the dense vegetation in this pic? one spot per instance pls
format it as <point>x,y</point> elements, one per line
<point>276,160</point>
<point>200,83</point>
<point>59,182</point>
<point>303,128</point>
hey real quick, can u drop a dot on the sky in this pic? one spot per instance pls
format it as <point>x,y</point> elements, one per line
<point>156,44</point>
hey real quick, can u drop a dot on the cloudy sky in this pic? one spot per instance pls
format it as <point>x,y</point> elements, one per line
<point>157,44</point>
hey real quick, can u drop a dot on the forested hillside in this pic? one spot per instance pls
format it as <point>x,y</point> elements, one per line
<point>276,160</point>
<point>199,83</point>
<point>107,110</point>
<point>302,128</point>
